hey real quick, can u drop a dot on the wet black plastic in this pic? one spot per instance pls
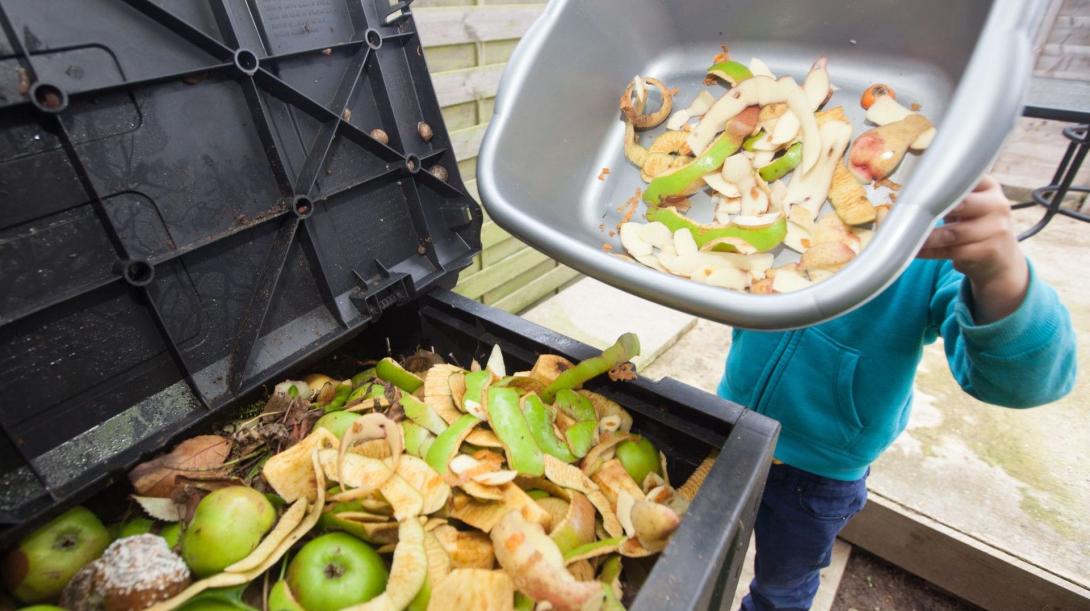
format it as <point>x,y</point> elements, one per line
<point>700,567</point>
<point>193,200</point>
<point>195,204</point>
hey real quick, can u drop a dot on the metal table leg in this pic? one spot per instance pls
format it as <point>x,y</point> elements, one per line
<point>1052,196</point>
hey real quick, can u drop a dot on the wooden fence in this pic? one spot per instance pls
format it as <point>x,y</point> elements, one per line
<point>467,44</point>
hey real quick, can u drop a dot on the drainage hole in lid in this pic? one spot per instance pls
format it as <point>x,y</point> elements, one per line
<point>246,61</point>
<point>374,39</point>
<point>303,206</point>
<point>48,97</point>
<point>138,272</point>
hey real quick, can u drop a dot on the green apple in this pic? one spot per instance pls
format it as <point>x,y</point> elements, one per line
<point>228,524</point>
<point>639,457</point>
<point>135,526</point>
<point>172,533</point>
<point>46,559</point>
<point>42,608</point>
<point>335,571</point>
<point>281,598</point>
<point>336,422</point>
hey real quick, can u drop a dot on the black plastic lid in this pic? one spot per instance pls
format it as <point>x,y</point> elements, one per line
<point>193,201</point>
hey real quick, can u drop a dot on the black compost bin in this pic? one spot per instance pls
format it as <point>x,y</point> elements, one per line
<point>202,196</point>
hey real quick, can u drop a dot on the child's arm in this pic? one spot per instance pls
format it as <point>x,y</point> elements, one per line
<point>1008,338</point>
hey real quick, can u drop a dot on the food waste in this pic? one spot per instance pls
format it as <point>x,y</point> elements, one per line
<point>770,153</point>
<point>415,484</point>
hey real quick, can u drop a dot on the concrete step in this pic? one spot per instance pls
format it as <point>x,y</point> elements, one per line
<point>596,314</point>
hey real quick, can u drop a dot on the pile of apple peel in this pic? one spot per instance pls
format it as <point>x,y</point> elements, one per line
<point>770,155</point>
<point>433,487</point>
<point>520,471</point>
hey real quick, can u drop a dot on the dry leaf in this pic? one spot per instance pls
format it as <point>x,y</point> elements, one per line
<point>203,454</point>
<point>159,508</point>
<point>421,361</point>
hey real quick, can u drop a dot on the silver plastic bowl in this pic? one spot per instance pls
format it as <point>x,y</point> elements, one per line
<point>556,122</point>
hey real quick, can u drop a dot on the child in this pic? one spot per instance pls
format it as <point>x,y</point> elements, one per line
<point>841,390</point>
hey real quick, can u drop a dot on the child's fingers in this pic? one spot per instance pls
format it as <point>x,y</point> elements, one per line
<point>935,253</point>
<point>965,232</point>
<point>987,183</point>
<point>976,205</point>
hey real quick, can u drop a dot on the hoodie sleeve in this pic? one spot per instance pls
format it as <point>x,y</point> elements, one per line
<point>1023,360</point>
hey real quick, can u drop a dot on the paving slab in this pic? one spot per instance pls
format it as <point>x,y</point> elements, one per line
<point>596,314</point>
<point>697,358</point>
<point>1016,479</point>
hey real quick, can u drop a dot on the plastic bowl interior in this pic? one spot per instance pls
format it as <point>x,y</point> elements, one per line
<point>557,124</point>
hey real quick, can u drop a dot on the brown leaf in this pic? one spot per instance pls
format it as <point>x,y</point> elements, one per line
<point>278,404</point>
<point>208,481</point>
<point>198,455</point>
<point>421,361</point>
<point>187,498</point>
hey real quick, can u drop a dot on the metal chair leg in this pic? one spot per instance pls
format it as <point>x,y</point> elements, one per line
<point>1061,184</point>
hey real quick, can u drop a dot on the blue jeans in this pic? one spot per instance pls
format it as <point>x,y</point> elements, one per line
<point>799,518</point>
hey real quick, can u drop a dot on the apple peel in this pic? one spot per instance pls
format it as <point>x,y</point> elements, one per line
<point>485,515</point>
<point>569,476</point>
<point>289,472</point>
<point>466,549</point>
<point>283,529</point>
<point>473,589</point>
<point>408,571</point>
<point>602,452</point>
<point>426,481</point>
<point>654,523</point>
<point>761,90</point>
<point>605,407</point>
<point>593,549</point>
<point>612,478</point>
<point>484,438</point>
<point>482,492</point>
<point>357,475</point>
<point>537,566</point>
<point>692,485</point>
<point>367,428</point>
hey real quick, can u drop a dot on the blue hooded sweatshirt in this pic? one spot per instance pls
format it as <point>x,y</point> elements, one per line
<point>842,390</point>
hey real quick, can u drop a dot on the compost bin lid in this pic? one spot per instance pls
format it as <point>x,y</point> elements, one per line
<point>194,199</point>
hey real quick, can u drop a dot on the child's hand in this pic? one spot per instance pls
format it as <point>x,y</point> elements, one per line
<point>979,238</point>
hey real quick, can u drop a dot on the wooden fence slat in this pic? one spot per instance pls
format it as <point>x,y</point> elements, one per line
<point>519,300</point>
<point>475,285</point>
<point>492,234</point>
<point>467,142</point>
<point>460,86</point>
<point>533,274</point>
<point>454,25</point>
<point>500,251</point>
